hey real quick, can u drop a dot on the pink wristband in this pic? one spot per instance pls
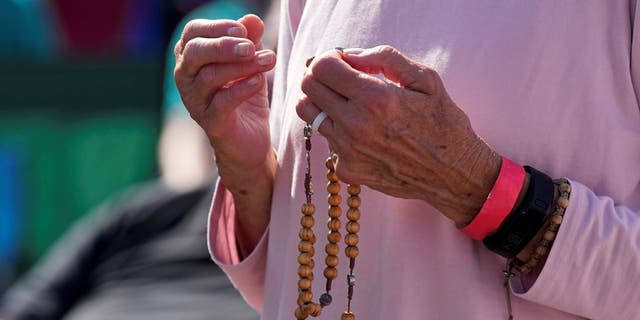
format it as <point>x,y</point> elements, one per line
<point>500,201</point>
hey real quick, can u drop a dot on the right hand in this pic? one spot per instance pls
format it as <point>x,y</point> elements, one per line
<point>220,74</point>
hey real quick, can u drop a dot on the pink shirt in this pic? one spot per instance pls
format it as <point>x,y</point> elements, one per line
<point>553,84</point>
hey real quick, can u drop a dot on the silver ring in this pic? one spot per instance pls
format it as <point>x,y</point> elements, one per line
<point>318,121</point>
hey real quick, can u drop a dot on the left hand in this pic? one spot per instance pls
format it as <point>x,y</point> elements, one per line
<point>407,139</point>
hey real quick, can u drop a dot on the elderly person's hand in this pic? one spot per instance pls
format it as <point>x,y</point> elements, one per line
<point>220,75</point>
<point>405,137</point>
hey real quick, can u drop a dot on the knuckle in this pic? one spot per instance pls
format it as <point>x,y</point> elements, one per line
<point>307,83</point>
<point>228,96</point>
<point>208,74</point>
<point>301,106</point>
<point>323,64</point>
<point>431,73</point>
<point>177,49</point>
<point>191,27</point>
<point>386,51</point>
<point>190,49</point>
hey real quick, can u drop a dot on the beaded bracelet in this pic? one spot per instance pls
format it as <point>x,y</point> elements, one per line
<point>561,204</point>
<point>561,201</point>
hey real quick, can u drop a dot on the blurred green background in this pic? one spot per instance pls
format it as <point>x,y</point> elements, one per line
<point>73,133</point>
<point>80,111</point>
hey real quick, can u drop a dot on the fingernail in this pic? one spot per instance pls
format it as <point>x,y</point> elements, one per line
<point>265,58</point>
<point>242,49</point>
<point>235,32</point>
<point>254,80</point>
<point>352,51</point>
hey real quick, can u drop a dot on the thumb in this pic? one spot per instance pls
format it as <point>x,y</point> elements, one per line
<point>395,66</point>
<point>255,29</point>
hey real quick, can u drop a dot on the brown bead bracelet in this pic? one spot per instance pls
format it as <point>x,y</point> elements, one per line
<point>542,250</point>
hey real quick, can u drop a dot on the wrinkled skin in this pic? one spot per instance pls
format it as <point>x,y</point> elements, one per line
<point>220,73</point>
<point>404,137</point>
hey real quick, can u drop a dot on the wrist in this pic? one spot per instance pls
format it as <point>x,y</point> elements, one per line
<point>239,177</point>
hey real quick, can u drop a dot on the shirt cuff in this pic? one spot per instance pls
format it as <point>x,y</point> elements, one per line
<point>246,274</point>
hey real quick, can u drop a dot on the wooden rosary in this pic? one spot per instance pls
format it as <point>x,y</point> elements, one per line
<point>306,307</point>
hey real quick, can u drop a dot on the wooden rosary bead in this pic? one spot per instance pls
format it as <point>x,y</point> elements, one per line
<point>307,221</point>
<point>353,189</point>
<point>304,284</point>
<point>352,251</point>
<point>304,271</point>
<point>331,261</point>
<point>330,272</point>
<point>305,246</point>
<point>333,187</point>
<point>542,250</point>
<point>306,234</point>
<point>316,311</point>
<point>353,214</point>
<point>307,239</point>
<point>563,203</point>
<point>533,262</point>
<point>556,219</point>
<point>354,201</point>
<point>312,309</point>
<point>564,187</point>
<point>334,199</point>
<point>305,296</point>
<point>332,249</point>
<point>353,227</point>
<point>334,224</point>
<point>335,212</point>
<point>308,209</point>
<point>351,239</point>
<point>305,259</point>
<point>299,314</point>
<point>549,235</point>
<point>334,236</point>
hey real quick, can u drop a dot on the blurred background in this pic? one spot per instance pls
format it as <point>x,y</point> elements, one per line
<point>85,91</point>
<point>81,87</point>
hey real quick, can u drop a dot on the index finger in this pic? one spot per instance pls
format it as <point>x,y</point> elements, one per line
<point>203,28</point>
<point>332,71</point>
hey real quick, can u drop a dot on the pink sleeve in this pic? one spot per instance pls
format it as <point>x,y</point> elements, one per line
<point>247,275</point>
<point>593,269</point>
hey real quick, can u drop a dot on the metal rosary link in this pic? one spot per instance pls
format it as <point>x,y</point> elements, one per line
<point>307,175</point>
<point>508,274</point>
